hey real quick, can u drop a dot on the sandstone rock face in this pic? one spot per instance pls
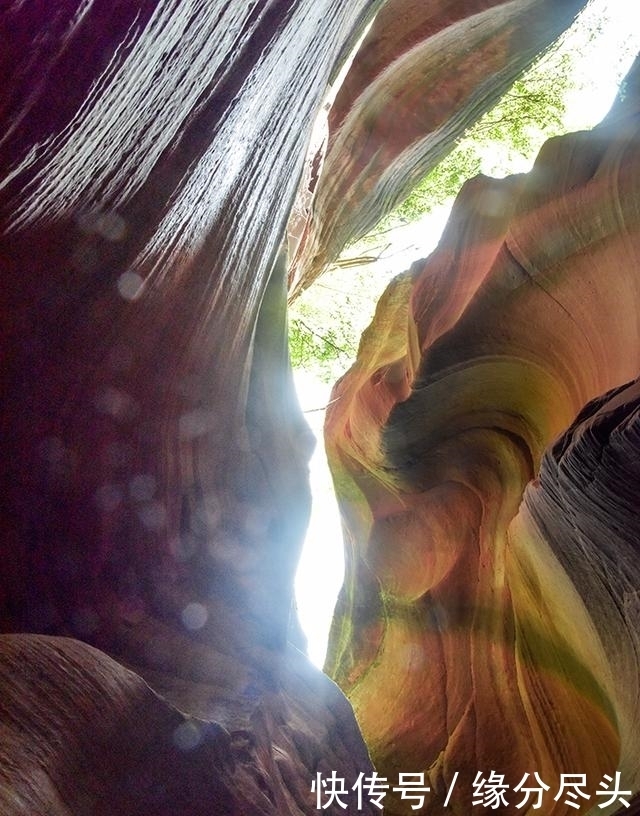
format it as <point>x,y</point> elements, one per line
<point>489,617</point>
<point>424,73</point>
<point>154,490</point>
<point>82,735</point>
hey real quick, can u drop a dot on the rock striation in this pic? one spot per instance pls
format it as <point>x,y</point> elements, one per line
<point>424,73</point>
<point>488,620</point>
<point>154,489</point>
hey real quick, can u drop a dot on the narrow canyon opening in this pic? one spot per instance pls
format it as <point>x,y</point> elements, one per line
<point>572,86</point>
<point>179,179</point>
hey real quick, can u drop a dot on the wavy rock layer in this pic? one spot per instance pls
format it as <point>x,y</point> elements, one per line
<point>154,489</point>
<point>81,735</point>
<point>476,632</point>
<point>424,74</point>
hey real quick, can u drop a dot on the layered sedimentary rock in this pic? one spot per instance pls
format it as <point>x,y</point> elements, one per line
<point>81,734</point>
<point>154,488</point>
<point>423,74</point>
<point>478,631</point>
<point>154,483</point>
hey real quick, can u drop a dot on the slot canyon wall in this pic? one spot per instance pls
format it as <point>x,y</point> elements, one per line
<point>485,455</point>
<point>154,482</point>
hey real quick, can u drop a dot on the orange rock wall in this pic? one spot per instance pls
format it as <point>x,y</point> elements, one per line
<point>154,489</point>
<point>477,631</point>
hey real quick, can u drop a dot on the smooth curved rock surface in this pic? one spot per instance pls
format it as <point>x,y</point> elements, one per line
<point>423,75</point>
<point>154,485</point>
<point>585,506</point>
<point>475,631</point>
<point>80,734</point>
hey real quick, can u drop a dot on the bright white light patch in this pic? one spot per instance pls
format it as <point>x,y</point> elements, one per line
<point>321,567</point>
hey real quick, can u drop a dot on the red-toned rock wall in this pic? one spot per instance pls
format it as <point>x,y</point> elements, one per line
<point>424,73</point>
<point>154,482</point>
<point>154,485</point>
<point>477,631</point>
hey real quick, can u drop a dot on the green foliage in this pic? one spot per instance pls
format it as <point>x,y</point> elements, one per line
<point>326,322</point>
<point>323,339</point>
<point>506,138</point>
<point>442,183</point>
<point>315,346</point>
